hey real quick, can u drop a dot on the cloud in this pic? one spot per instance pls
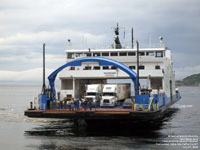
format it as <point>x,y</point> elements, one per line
<point>33,75</point>
<point>34,58</point>
<point>28,41</point>
<point>30,60</point>
<point>26,24</point>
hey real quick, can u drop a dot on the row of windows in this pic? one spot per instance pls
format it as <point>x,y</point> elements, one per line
<point>141,67</point>
<point>104,54</point>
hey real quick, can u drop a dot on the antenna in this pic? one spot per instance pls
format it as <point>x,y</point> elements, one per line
<point>117,44</point>
<point>161,42</point>
<point>44,86</point>
<point>132,38</point>
<point>137,67</point>
<point>69,44</point>
<point>124,33</point>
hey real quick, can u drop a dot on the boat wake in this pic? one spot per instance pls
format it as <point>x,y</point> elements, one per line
<point>182,106</point>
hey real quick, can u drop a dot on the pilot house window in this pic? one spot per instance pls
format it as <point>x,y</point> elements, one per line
<point>159,54</point>
<point>150,53</point>
<point>114,54</point>
<point>96,54</point>
<point>141,53</point>
<point>88,54</point>
<point>131,53</point>
<point>105,54</point>
<point>79,54</point>
<point>70,55</point>
<point>123,54</point>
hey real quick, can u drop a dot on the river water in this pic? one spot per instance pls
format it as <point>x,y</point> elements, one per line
<point>180,130</point>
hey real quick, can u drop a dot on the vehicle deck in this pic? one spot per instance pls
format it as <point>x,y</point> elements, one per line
<point>98,114</point>
<point>117,113</point>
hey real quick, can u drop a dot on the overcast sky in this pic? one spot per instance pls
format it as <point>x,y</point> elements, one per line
<point>26,24</point>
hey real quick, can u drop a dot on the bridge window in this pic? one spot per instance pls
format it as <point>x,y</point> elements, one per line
<point>131,53</point>
<point>157,67</point>
<point>88,54</point>
<point>96,67</point>
<point>159,54</point>
<point>113,67</point>
<point>78,54</point>
<point>114,54</point>
<point>141,53</point>
<point>105,67</point>
<point>105,54</point>
<point>150,53</point>
<point>87,68</point>
<point>70,55</point>
<point>122,54</point>
<point>132,67</point>
<point>141,67</point>
<point>96,54</point>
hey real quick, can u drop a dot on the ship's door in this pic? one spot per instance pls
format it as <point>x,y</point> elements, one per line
<point>170,86</point>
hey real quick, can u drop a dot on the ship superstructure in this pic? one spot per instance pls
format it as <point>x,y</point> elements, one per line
<point>155,67</point>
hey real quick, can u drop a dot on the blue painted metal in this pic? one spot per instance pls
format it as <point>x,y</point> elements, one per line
<point>43,102</point>
<point>160,99</point>
<point>142,99</point>
<point>102,62</point>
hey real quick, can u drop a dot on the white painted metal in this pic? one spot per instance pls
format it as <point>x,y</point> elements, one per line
<point>158,68</point>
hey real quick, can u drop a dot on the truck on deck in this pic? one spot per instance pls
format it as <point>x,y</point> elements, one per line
<point>93,92</point>
<point>114,94</point>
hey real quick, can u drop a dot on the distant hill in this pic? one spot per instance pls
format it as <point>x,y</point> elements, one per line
<point>193,80</point>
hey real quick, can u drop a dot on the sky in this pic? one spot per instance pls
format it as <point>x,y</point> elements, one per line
<point>26,24</point>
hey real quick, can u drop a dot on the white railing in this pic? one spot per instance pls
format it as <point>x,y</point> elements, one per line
<point>124,46</point>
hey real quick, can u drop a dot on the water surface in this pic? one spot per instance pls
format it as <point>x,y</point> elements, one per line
<point>19,132</point>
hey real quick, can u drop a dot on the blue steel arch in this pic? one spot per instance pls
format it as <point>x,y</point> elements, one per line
<point>102,62</point>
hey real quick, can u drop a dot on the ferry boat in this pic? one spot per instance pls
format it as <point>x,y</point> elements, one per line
<point>149,71</point>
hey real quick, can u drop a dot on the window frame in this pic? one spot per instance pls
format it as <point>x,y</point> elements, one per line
<point>105,67</point>
<point>150,52</point>
<point>98,54</point>
<point>141,67</point>
<point>122,53</point>
<point>90,54</point>
<point>158,53</point>
<point>129,53</point>
<point>157,67</point>
<point>132,67</point>
<point>141,53</point>
<point>70,54</point>
<point>87,68</point>
<point>111,54</point>
<point>105,53</point>
<point>95,68</point>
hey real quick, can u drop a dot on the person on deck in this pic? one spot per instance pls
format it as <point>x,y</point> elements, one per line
<point>85,105</point>
<point>90,104</point>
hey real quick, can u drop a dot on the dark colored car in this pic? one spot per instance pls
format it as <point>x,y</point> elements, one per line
<point>127,103</point>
